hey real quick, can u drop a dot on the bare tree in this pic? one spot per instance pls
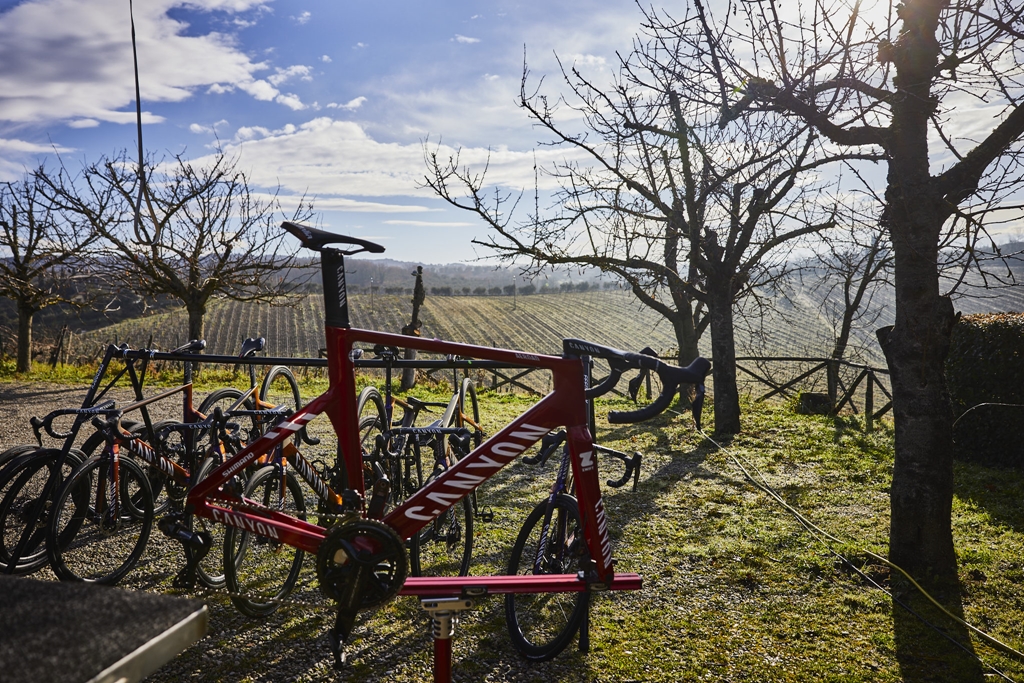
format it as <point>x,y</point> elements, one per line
<point>45,249</point>
<point>691,216</point>
<point>919,81</point>
<point>850,267</point>
<point>201,233</point>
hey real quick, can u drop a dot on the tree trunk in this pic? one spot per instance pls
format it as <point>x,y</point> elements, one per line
<point>408,374</point>
<point>686,337</point>
<point>723,353</point>
<point>196,316</point>
<point>25,313</point>
<point>921,497</point>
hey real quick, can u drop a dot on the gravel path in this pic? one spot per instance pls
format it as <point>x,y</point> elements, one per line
<point>393,644</point>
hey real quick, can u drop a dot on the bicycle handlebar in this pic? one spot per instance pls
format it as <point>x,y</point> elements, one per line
<point>46,423</point>
<point>671,377</point>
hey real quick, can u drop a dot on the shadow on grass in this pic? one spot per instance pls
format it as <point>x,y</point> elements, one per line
<point>927,655</point>
<point>996,490</point>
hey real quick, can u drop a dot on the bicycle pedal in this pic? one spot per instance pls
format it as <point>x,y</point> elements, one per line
<point>486,515</point>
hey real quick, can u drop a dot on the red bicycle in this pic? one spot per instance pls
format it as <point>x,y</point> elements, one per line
<point>362,562</point>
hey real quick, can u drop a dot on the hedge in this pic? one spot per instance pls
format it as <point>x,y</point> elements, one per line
<point>985,376</point>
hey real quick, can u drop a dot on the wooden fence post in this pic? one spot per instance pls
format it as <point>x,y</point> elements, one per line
<point>869,402</point>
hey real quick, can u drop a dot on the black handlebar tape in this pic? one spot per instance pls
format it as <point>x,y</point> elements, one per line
<point>47,422</point>
<point>645,413</point>
<point>607,385</point>
<point>671,378</point>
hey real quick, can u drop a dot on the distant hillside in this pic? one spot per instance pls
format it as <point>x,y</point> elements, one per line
<point>533,323</point>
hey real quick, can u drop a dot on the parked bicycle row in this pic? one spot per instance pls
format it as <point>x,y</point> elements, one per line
<point>229,481</point>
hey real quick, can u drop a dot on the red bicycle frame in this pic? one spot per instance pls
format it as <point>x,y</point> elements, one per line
<point>565,407</point>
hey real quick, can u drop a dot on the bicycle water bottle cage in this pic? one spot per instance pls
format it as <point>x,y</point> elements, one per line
<point>315,239</point>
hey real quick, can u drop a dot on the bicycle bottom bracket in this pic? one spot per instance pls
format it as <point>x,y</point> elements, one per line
<point>361,564</point>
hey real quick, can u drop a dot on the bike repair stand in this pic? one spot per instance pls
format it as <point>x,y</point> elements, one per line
<point>444,616</point>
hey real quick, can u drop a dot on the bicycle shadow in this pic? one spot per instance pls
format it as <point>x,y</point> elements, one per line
<point>25,392</point>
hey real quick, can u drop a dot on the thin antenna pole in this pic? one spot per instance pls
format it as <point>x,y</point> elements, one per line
<point>138,121</point>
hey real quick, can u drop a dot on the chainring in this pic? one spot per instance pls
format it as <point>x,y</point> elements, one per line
<point>362,563</point>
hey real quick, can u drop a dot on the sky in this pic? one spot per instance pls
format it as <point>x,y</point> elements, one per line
<point>332,99</point>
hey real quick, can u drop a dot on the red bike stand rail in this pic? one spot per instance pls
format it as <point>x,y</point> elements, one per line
<point>474,586</point>
<point>436,598</point>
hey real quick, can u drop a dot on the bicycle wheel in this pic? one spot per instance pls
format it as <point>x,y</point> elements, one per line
<point>210,570</point>
<point>261,570</point>
<point>92,536</point>
<point>224,399</point>
<point>469,408</point>
<point>14,451</point>
<point>21,486</point>
<point>542,624</point>
<point>279,388</point>
<point>372,423</point>
<point>445,546</point>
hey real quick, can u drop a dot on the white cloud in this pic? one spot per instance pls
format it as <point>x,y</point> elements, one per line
<point>587,60</point>
<point>465,39</point>
<point>291,101</point>
<point>17,156</point>
<point>261,90</point>
<point>359,46</point>
<point>198,129</point>
<point>330,158</point>
<point>430,224</point>
<point>83,123</point>
<point>70,60</point>
<point>327,203</point>
<point>282,75</point>
<point>351,105</point>
<point>302,18</point>
<point>325,59</point>
<point>491,77</point>
<point>23,147</point>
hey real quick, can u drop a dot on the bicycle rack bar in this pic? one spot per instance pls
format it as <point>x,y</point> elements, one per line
<point>476,586</point>
<point>318,362</point>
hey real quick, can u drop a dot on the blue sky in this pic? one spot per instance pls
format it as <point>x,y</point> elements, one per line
<point>332,98</point>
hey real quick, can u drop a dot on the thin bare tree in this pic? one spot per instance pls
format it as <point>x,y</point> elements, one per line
<point>200,233</point>
<point>44,251</point>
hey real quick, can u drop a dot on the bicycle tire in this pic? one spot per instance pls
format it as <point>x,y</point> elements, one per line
<point>85,544</point>
<point>210,570</point>
<point>21,482</point>
<point>467,399</point>
<point>253,564</point>
<point>541,625</point>
<point>445,546</point>
<point>279,388</point>
<point>225,398</point>
<point>373,421</point>
<point>14,451</point>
